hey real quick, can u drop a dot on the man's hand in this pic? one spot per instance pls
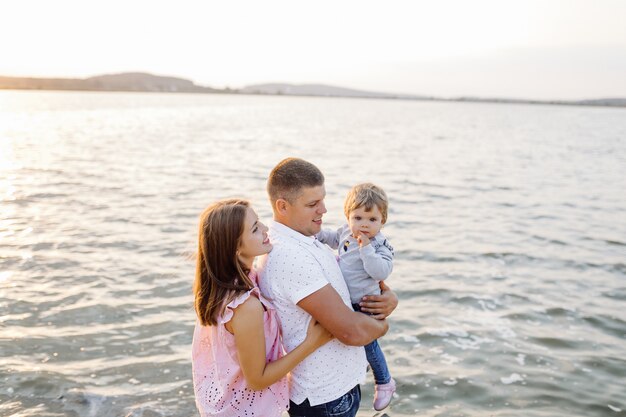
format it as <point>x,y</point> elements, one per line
<point>380,306</point>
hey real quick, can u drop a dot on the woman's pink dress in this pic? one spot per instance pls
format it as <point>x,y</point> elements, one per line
<point>217,377</point>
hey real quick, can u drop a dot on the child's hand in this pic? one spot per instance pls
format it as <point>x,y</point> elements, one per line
<point>316,335</point>
<point>363,240</point>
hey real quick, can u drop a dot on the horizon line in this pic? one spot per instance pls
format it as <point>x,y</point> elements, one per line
<point>596,101</point>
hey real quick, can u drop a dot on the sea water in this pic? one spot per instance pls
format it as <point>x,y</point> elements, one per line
<point>508,223</point>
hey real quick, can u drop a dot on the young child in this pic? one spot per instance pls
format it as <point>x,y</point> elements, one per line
<point>365,259</point>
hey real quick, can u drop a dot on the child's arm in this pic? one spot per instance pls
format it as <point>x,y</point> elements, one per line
<point>247,326</point>
<point>330,237</point>
<point>378,262</point>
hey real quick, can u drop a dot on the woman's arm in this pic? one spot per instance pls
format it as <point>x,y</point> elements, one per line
<point>247,326</point>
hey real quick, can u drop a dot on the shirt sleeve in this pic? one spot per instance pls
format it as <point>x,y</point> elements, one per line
<point>377,259</point>
<point>330,237</point>
<point>295,277</point>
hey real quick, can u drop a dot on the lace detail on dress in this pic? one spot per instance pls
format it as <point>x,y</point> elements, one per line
<point>219,385</point>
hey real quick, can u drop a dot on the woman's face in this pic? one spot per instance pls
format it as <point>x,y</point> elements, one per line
<point>254,240</point>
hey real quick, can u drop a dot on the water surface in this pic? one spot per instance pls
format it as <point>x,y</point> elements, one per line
<point>508,221</point>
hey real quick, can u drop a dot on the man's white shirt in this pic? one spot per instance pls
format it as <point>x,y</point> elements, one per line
<point>297,267</point>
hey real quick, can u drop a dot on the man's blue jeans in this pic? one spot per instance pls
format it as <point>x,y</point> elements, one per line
<point>376,359</point>
<point>345,406</point>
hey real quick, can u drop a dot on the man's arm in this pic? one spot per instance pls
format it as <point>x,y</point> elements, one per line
<point>349,327</point>
<point>381,306</point>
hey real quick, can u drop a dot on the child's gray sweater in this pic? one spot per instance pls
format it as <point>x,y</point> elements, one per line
<point>362,268</point>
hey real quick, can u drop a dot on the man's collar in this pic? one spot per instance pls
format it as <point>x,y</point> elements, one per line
<point>284,230</point>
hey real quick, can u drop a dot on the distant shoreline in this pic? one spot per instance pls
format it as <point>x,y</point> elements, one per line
<point>148,83</point>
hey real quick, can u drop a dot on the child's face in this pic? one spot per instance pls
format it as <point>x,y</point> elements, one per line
<point>366,223</point>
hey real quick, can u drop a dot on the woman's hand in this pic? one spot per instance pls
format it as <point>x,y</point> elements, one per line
<point>380,306</point>
<point>317,335</point>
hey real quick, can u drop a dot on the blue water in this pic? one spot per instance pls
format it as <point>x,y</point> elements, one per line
<point>508,221</point>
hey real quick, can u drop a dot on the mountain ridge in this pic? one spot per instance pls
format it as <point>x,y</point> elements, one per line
<point>127,81</point>
<point>146,82</point>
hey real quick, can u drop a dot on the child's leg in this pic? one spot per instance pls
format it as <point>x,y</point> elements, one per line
<point>376,359</point>
<point>385,385</point>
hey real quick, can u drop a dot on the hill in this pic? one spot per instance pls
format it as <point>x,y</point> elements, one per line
<point>133,81</point>
<point>321,90</point>
<point>143,82</point>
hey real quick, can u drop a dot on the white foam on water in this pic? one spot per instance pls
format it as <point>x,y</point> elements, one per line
<point>438,332</point>
<point>408,338</point>
<point>486,306</point>
<point>5,275</point>
<point>472,343</point>
<point>451,381</point>
<point>617,410</point>
<point>449,359</point>
<point>521,358</point>
<point>446,331</point>
<point>459,333</point>
<point>506,332</point>
<point>514,377</point>
<point>436,349</point>
<point>449,321</point>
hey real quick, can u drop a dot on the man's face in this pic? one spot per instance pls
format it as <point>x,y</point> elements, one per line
<point>305,214</point>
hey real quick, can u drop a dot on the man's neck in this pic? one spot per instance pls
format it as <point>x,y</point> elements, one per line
<point>286,224</point>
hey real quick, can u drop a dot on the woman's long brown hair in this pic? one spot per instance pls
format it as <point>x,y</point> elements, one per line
<point>220,275</point>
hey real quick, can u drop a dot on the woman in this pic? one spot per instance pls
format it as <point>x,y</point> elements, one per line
<point>239,367</point>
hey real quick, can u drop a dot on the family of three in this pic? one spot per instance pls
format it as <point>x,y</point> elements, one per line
<point>289,335</point>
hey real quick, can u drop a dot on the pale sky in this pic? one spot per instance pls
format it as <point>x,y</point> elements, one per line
<point>545,49</point>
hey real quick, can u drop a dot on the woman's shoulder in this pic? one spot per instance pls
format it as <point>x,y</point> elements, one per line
<point>250,305</point>
<point>245,303</point>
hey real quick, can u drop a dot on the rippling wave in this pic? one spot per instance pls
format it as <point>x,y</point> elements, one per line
<point>508,223</point>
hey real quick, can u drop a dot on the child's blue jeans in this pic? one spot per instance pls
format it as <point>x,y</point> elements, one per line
<point>376,358</point>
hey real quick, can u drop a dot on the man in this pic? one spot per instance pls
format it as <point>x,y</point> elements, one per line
<point>302,278</point>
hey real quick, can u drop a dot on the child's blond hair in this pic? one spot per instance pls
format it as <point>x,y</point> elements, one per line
<point>366,195</point>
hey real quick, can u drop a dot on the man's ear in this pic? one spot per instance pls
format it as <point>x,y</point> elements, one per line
<point>281,206</point>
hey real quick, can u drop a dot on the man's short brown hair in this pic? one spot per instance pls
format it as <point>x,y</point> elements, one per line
<point>366,195</point>
<point>290,176</point>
